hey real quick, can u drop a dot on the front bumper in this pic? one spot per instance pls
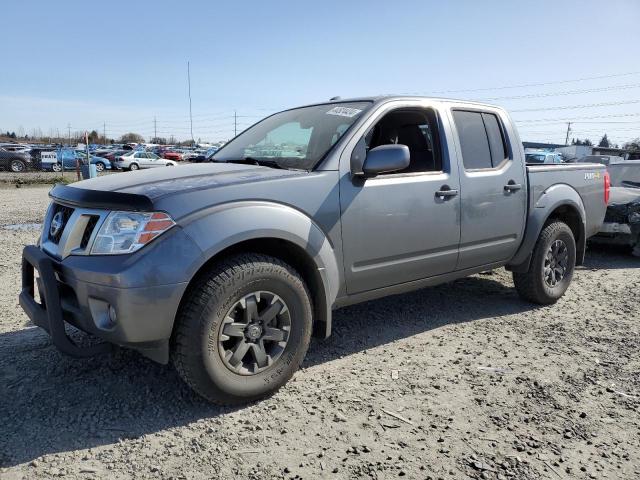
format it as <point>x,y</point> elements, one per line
<point>144,315</point>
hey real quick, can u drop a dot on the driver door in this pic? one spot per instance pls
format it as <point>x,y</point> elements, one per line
<point>395,227</point>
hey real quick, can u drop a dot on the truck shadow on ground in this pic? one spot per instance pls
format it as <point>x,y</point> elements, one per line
<point>50,403</point>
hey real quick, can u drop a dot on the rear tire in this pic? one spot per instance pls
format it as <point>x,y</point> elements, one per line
<point>552,265</point>
<point>100,167</point>
<point>133,167</point>
<point>246,305</point>
<point>56,167</point>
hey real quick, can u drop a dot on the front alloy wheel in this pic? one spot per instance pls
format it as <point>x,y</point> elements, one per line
<point>254,333</point>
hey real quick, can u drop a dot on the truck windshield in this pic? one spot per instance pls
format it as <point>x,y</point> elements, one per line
<point>295,139</point>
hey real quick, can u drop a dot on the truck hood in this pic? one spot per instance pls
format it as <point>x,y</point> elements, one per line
<point>163,181</point>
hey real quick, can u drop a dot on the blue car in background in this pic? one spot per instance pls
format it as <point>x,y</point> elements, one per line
<point>67,157</point>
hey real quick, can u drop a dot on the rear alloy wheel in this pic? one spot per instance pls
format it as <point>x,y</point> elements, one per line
<point>133,166</point>
<point>56,167</point>
<point>17,166</point>
<point>243,329</point>
<point>100,167</point>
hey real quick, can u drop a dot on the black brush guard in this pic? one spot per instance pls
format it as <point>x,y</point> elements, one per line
<point>48,315</point>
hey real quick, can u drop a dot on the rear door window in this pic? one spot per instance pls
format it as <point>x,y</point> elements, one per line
<point>474,143</point>
<point>481,139</point>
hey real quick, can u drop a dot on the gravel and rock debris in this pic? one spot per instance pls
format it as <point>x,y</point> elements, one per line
<point>462,380</point>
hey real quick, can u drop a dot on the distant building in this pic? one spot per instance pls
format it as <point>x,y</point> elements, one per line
<point>575,152</point>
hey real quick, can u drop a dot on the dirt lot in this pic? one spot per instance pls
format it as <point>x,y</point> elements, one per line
<point>458,381</point>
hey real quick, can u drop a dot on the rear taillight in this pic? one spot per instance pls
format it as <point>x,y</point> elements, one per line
<point>607,187</point>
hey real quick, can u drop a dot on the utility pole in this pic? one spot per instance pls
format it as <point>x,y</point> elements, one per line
<point>190,115</point>
<point>69,128</point>
<point>104,132</point>
<point>155,129</point>
<point>235,123</point>
<point>566,140</point>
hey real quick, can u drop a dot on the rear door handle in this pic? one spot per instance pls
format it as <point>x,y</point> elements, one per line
<point>444,194</point>
<point>512,187</point>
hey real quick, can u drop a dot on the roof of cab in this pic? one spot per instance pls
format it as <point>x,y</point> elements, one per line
<point>387,98</point>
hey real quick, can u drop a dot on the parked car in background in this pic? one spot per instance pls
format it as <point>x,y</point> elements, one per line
<point>15,161</point>
<point>172,155</point>
<point>533,158</point>
<point>114,154</point>
<point>204,156</point>
<point>67,159</point>
<point>135,160</point>
<point>622,221</point>
<point>15,147</point>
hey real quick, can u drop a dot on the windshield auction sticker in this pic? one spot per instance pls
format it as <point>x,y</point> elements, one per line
<point>344,111</point>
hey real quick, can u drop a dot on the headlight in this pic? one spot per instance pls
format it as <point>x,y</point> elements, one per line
<point>126,232</point>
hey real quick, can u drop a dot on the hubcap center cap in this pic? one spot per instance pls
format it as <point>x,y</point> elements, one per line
<point>254,331</point>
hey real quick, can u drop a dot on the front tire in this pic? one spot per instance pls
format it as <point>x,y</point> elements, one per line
<point>552,265</point>
<point>243,330</point>
<point>100,167</point>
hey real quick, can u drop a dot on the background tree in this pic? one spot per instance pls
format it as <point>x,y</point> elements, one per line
<point>131,138</point>
<point>604,142</point>
<point>633,145</point>
<point>94,137</point>
<point>159,140</point>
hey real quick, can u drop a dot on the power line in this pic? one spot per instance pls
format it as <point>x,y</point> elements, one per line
<point>566,92</point>
<point>564,120</point>
<point>572,107</point>
<point>539,84</point>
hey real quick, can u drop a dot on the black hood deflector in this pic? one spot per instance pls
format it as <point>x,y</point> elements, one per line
<point>80,197</point>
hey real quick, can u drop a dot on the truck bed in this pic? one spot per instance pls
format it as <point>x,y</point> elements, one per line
<point>585,178</point>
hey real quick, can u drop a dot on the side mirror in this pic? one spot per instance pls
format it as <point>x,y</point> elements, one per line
<point>386,158</point>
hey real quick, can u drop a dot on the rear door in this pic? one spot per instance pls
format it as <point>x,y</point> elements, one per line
<point>492,183</point>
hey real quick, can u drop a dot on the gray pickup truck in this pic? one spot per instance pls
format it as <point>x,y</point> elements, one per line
<point>228,268</point>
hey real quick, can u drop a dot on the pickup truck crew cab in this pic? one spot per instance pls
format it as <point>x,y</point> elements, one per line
<point>227,268</point>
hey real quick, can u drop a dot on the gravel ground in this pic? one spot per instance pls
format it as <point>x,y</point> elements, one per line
<point>458,381</point>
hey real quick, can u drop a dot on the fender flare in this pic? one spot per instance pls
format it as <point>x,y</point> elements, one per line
<point>556,196</point>
<point>217,228</point>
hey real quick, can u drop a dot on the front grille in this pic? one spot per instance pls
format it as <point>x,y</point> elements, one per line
<point>91,225</point>
<point>60,216</point>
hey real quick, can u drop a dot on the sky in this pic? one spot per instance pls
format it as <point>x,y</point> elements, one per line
<point>118,65</point>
